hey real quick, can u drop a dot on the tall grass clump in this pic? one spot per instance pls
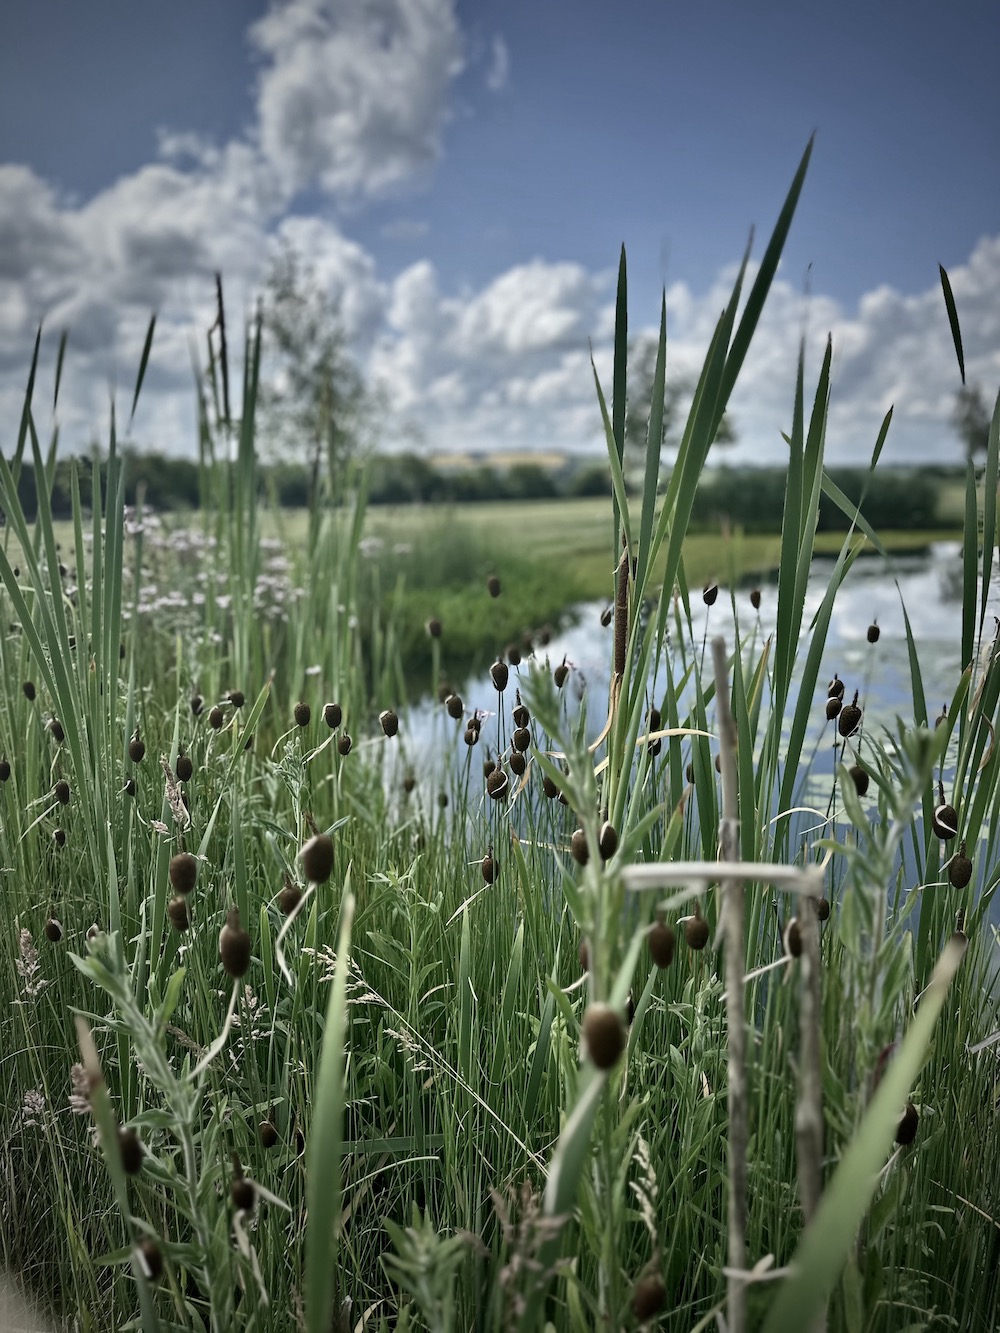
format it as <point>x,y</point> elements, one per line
<point>557,1013</point>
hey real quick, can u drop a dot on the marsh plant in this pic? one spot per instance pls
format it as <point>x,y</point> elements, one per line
<point>568,1013</point>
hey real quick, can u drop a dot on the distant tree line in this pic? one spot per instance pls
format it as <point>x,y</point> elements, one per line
<point>750,497</point>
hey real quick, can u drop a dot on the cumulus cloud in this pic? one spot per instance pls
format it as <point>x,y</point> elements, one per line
<point>499,72</point>
<point>354,94</point>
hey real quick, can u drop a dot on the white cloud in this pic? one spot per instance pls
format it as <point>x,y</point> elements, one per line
<point>355,95</point>
<point>499,72</point>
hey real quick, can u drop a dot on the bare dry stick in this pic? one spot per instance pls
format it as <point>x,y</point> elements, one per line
<point>733,896</point>
<point>809,1111</point>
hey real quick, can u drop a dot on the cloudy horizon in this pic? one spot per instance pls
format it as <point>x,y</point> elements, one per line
<point>443,177</point>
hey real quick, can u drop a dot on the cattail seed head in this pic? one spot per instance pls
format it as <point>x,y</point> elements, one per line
<point>132,1151</point>
<point>59,837</point>
<point>177,911</point>
<point>836,687</point>
<point>29,690</point>
<point>649,1296</point>
<point>302,714</point>
<point>944,820</point>
<point>521,740</point>
<point>130,787</point>
<point>267,1134</point>
<point>454,706</point>
<point>662,942</point>
<point>56,728</point>
<point>960,869</point>
<point>584,956</point>
<point>906,1130</point>
<point>136,748</point>
<point>185,768</point>
<point>241,1191</point>
<point>216,717</point>
<point>388,721</point>
<point>860,779</point>
<point>578,847</point>
<point>709,593</point>
<point>151,1257</point>
<point>488,867</point>
<point>493,586</point>
<point>409,782</point>
<point>561,674</point>
<point>549,787</point>
<point>823,908</point>
<point>4,769</point>
<point>183,872</point>
<point>471,736</point>
<point>234,945</point>
<point>873,633</point>
<point>513,654</point>
<point>489,764</point>
<point>197,704</point>
<point>317,858</point>
<point>434,627</point>
<point>755,599</point>
<point>792,938</point>
<point>289,897</point>
<point>518,763</point>
<point>53,930</point>
<point>499,674</point>
<point>833,706</point>
<point>850,718</point>
<point>607,840</point>
<point>333,715</point>
<point>606,616</point>
<point>442,800</point>
<point>344,744</point>
<point>520,715</point>
<point>61,791</point>
<point>497,784</point>
<point>237,698</point>
<point>696,931</point>
<point>941,717</point>
<point>604,1035</point>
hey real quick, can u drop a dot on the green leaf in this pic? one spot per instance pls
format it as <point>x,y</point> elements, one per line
<point>956,332</point>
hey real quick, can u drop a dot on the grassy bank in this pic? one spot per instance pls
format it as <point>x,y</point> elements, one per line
<point>301,1028</point>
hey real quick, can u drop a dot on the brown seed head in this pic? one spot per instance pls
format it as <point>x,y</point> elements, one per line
<point>649,1296</point>
<point>696,932</point>
<point>520,715</point>
<point>151,1258</point>
<point>241,1191</point>
<point>607,840</point>
<point>521,740</point>
<point>197,704</point>
<point>944,820</point>
<point>237,698</point>
<point>56,728</point>
<point>549,787</point>
<point>388,721</point>
<point>234,945</point>
<point>4,769</point>
<point>454,706</point>
<point>578,847</point>
<point>607,615</point>
<point>755,599</point>
<point>850,718</point>
<point>823,908</point>
<point>906,1130</point>
<point>53,930</point>
<point>289,897</point>
<point>518,763</point>
<point>561,674</point>
<point>662,942</point>
<point>333,715</point>
<point>960,869</point>
<point>513,654</point>
<point>216,717</point>
<point>61,791</point>
<point>344,744</point>
<point>29,690</point>
<point>873,633</point>
<point>836,687</point>
<point>59,837</point>
<point>185,768</point>
<point>709,594</point>
<point>493,585</point>
<point>317,858</point>
<point>860,779</point>
<point>130,787</point>
<point>499,674</point>
<point>183,872</point>
<point>489,867</point>
<point>267,1134</point>
<point>792,938</point>
<point>497,784</point>
<point>833,706</point>
<point>604,1035</point>
<point>132,1151</point>
<point>302,714</point>
<point>177,911</point>
<point>136,748</point>
<point>434,627</point>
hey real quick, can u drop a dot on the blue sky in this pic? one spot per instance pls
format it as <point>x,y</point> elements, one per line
<point>462,176</point>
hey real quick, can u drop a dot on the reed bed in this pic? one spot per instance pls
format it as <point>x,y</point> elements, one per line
<point>569,1016</point>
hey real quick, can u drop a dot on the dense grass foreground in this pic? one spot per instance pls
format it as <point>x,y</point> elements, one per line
<point>309,1025</point>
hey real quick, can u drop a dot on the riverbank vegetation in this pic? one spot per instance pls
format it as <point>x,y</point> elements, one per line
<point>567,1015</point>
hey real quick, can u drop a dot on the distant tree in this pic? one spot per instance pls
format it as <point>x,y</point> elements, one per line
<point>971,419</point>
<point>314,403</point>
<point>677,393</point>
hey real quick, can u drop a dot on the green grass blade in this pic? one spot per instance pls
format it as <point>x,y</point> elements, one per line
<point>826,1243</point>
<point>143,362</point>
<point>324,1173</point>
<point>654,437</point>
<point>60,355</point>
<point>956,332</point>
<point>618,389</point>
<point>991,476</point>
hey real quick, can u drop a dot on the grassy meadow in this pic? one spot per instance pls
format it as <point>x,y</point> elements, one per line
<point>564,1018</point>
